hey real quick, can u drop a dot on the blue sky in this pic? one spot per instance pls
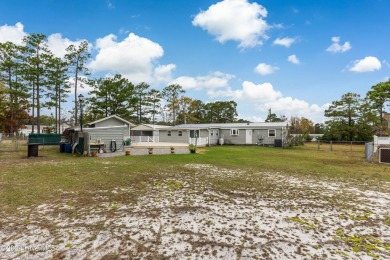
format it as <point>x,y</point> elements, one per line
<point>293,56</point>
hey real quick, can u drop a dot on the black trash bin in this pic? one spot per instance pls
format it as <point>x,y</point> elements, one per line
<point>32,150</point>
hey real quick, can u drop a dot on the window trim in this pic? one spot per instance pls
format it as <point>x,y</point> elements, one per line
<point>180,133</point>
<point>169,133</point>
<point>269,130</point>
<point>234,131</point>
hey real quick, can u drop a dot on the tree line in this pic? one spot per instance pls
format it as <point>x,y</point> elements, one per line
<point>352,118</point>
<point>142,104</point>
<point>356,118</point>
<point>33,78</point>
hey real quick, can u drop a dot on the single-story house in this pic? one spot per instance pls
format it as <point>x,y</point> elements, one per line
<point>27,129</point>
<point>146,133</point>
<point>110,121</point>
<point>267,133</point>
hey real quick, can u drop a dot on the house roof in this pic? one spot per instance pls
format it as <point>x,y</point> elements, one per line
<point>149,127</point>
<point>112,116</point>
<point>255,125</point>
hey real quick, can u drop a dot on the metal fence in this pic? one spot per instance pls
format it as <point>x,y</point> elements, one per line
<point>350,146</point>
<point>11,145</point>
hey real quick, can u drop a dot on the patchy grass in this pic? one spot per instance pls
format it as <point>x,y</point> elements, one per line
<point>224,202</point>
<point>28,181</point>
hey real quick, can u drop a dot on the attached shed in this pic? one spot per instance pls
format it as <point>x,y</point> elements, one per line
<point>110,121</point>
<point>111,137</point>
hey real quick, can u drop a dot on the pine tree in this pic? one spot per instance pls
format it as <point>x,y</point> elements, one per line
<point>36,59</point>
<point>14,93</point>
<point>77,58</point>
<point>58,87</point>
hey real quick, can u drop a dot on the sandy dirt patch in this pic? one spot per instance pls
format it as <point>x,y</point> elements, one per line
<point>183,218</point>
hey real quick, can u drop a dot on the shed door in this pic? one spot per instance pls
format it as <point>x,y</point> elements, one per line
<point>248,136</point>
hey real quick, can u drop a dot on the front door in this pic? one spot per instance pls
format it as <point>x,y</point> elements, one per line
<point>248,137</point>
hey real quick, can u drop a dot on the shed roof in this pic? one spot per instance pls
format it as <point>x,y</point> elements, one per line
<point>112,116</point>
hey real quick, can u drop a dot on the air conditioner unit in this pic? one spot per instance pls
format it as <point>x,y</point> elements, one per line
<point>384,155</point>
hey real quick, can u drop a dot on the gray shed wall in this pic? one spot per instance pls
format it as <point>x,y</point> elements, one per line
<point>114,122</point>
<point>106,135</point>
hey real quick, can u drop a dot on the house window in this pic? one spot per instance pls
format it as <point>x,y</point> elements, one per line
<point>169,133</point>
<point>180,133</point>
<point>194,133</point>
<point>271,133</point>
<point>234,132</point>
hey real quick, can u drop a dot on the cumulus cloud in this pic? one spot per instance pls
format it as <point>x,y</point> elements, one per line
<point>286,42</point>
<point>335,47</point>
<point>163,73</point>
<point>264,96</point>
<point>236,20</point>
<point>265,69</point>
<point>293,59</point>
<point>368,64</point>
<point>57,44</point>
<point>213,80</point>
<point>132,57</point>
<point>12,33</point>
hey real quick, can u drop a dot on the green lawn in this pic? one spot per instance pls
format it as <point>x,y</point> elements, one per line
<point>30,181</point>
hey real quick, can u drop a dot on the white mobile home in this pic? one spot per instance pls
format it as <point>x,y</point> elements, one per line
<point>267,133</point>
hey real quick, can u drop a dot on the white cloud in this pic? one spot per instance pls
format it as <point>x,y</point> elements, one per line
<point>264,96</point>
<point>236,20</point>
<point>293,59</point>
<point>82,88</point>
<point>10,33</point>
<point>163,73</point>
<point>265,69</point>
<point>336,47</point>
<point>133,57</point>
<point>58,45</point>
<point>368,64</point>
<point>286,42</point>
<point>213,80</point>
<point>110,5</point>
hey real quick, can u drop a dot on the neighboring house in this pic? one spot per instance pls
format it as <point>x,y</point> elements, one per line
<point>146,133</point>
<point>272,133</point>
<point>44,129</point>
<point>110,121</point>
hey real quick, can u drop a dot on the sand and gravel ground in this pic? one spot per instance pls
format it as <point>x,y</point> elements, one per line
<point>184,217</point>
